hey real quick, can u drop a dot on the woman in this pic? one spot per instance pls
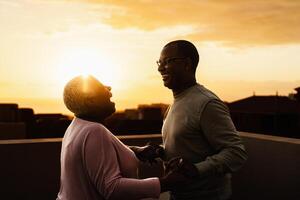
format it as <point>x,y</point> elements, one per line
<point>94,163</point>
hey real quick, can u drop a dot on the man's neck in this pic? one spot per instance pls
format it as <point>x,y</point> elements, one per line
<point>177,91</point>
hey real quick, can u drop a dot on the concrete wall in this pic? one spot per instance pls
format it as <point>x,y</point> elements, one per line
<point>30,169</point>
<point>272,170</point>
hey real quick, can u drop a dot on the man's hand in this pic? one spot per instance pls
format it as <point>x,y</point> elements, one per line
<point>183,166</point>
<point>149,152</point>
<point>178,172</point>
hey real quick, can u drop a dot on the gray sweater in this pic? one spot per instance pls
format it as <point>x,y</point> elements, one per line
<point>198,128</point>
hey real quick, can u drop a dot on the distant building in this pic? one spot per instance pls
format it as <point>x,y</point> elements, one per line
<point>27,116</point>
<point>146,119</point>
<point>274,115</point>
<point>8,112</point>
<point>149,112</point>
<point>22,123</point>
<point>132,114</point>
<point>162,106</point>
<point>297,95</point>
<point>152,112</point>
<point>10,125</point>
<point>51,125</point>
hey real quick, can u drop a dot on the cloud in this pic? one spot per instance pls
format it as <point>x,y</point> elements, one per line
<point>231,22</point>
<point>35,17</point>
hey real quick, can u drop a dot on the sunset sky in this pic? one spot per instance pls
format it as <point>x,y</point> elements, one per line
<point>244,47</point>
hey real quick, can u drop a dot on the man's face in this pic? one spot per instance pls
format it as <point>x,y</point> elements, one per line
<point>171,67</point>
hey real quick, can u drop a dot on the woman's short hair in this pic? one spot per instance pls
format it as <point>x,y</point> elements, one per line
<point>81,95</point>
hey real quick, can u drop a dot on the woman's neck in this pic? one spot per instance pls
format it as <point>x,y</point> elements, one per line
<point>91,118</point>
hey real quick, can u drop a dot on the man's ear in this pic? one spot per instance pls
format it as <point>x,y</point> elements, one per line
<point>188,65</point>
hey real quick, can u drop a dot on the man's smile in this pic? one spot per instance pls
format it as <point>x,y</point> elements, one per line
<point>165,76</point>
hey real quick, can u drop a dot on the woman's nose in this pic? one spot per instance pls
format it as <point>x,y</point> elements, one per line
<point>109,90</point>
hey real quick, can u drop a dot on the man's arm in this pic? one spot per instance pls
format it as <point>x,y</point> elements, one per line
<point>220,132</point>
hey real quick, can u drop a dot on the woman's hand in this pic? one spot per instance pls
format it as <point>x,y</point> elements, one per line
<point>148,153</point>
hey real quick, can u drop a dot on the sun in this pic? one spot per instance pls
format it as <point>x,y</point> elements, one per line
<point>89,61</point>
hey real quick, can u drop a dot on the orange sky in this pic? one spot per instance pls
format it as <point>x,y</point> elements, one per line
<point>244,46</point>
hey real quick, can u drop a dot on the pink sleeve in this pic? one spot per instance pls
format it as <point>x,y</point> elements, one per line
<point>101,162</point>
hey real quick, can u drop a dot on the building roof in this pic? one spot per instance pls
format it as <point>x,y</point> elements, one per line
<point>265,104</point>
<point>297,89</point>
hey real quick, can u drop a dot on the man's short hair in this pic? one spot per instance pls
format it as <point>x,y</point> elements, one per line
<point>186,49</point>
<point>80,95</point>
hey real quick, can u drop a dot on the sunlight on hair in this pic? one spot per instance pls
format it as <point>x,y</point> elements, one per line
<point>85,75</point>
<point>85,86</point>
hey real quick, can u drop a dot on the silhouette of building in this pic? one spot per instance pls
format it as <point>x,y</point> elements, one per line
<point>132,114</point>
<point>10,125</point>
<point>146,119</point>
<point>152,112</point>
<point>272,115</point>
<point>26,115</point>
<point>297,95</point>
<point>21,123</point>
<point>8,112</point>
<point>51,125</point>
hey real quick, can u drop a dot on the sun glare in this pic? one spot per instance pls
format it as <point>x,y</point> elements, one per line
<point>87,62</point>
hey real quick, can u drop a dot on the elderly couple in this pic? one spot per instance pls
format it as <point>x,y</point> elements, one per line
<point>200,149</point>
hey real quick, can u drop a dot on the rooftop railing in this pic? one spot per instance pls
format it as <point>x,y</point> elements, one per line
<point>30,169</point>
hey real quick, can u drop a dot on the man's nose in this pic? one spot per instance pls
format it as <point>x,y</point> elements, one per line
<point>161,67</point>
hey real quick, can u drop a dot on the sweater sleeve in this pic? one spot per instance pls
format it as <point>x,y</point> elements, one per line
<point>102,165</point>
<point>221,134</point>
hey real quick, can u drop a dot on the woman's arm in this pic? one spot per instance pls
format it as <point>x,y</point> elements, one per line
<point>101,163</point>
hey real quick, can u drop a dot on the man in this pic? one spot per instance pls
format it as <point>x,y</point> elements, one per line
<point>197,128</point>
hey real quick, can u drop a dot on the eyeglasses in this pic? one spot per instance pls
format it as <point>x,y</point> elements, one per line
<point>167,61</point>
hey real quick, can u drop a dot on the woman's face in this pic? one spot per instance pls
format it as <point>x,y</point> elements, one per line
<point>108,104</point>
<point>103,104</point>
